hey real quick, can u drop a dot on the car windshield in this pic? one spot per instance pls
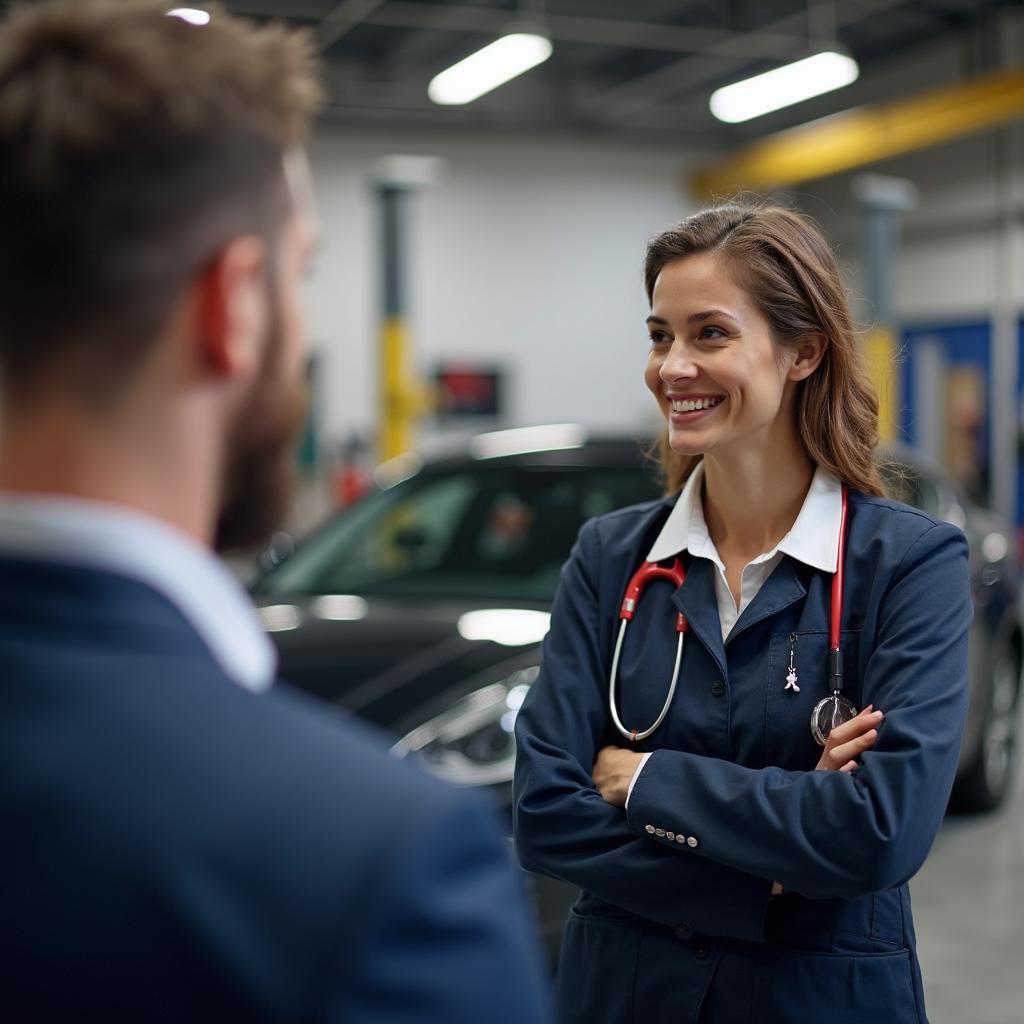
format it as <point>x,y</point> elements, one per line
<point>479,532</point>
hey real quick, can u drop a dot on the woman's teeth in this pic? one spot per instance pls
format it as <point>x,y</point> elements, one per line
<point>694,404</point>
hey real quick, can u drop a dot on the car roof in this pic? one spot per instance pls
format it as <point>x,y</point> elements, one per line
<point>567,445</point>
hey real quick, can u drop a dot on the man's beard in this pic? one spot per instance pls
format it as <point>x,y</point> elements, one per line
<point>259,474</point>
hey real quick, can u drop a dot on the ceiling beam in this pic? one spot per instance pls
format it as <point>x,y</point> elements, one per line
<point>861,137</point>
<point>598,31</point>
<point>342,19</point>
<point>473,127</point>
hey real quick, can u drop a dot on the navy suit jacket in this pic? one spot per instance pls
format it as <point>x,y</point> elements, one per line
<point>176,848</point>
<point>676,918</point>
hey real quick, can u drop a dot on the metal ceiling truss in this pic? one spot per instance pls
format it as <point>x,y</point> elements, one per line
<point>369,78</point>
<point>708,56</point>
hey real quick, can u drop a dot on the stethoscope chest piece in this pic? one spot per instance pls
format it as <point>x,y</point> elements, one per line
<point>829,712</point>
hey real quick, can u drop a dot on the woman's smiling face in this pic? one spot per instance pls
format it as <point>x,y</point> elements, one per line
<point>713,367</point>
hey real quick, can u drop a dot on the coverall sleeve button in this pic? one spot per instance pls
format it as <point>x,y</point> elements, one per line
<point>718,688</point>
<point>692,842</point>
<point>683,931</point>
<point>681,839</point>
<point>670,835</point>
<point>649,828</point>
<point>660,833</point>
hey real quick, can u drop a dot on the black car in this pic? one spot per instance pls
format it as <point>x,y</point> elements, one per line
<point>422,607</point>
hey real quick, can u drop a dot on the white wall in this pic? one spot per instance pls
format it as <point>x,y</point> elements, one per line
<point>523,254</point>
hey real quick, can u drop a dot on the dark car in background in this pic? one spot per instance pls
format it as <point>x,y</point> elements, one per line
<point>422,607</point>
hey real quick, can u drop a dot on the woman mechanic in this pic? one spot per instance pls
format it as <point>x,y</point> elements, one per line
<point>668,768</point>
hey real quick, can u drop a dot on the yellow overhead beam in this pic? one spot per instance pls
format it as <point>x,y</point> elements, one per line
<point>863,136</point>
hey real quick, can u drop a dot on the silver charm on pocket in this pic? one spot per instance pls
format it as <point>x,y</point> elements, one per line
<point>791,679</point>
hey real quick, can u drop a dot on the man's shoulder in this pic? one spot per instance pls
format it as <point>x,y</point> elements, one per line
<point>284,760</point>
<point>263,827</point>
<point>307,804</point>
<point>320,810</point>
<point>329,741</point>
<point>77,602</point>
<point>127,680</point>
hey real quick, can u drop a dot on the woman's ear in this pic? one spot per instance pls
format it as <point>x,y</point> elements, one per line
<point>810,350</point>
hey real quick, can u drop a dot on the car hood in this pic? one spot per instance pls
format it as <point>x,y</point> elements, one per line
<point>397,662</point>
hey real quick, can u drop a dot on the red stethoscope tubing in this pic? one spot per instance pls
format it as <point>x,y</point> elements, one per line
<point>837,581</point>
<point>648,572</point>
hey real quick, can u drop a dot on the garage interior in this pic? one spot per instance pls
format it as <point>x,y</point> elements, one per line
<point>480,274</point>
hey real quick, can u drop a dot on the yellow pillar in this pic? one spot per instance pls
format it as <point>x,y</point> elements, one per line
<point>399,400</point>
<point>880,348</point>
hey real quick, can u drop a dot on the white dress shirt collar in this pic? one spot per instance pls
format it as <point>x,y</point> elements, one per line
<point>813,538</point>
<point>117,539</point>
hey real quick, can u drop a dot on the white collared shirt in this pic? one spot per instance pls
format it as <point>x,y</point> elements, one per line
<point>813,540</point>
<point>117,539</point>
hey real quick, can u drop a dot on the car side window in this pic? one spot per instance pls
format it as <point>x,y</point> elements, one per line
<point>491,530</point>
<point>415,534</point>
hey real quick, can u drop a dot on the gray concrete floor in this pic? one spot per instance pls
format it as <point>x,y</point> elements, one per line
<point>968,904</point>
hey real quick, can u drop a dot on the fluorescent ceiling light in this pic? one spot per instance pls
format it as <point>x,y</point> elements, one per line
<point>192,15</point>
<point>784,86</point>
<point>488,68</point>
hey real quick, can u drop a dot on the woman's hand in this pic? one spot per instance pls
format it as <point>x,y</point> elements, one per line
<point>845,744</point>
<point>848,741</point>
<point>613,772</point>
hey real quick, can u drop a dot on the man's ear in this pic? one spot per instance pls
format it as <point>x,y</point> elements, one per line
<point>231,311</point>
<point>810,350</point>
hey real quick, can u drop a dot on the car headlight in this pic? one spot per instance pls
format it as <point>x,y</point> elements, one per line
<point>472,743</point>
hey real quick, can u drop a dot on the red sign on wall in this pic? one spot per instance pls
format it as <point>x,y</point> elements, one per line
<point>464,390</point>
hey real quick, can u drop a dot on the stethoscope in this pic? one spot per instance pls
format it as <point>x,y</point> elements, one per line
<point>829,712</point>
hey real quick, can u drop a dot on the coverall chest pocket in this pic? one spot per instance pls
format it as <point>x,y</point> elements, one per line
<point>797,680</point>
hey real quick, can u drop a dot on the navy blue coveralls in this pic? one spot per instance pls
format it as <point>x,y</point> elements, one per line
<point>670,930</point>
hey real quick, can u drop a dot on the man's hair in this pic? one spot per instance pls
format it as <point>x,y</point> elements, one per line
<point>133,147</point>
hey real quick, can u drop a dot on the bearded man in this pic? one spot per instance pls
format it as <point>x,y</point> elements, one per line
<point>181,839</point>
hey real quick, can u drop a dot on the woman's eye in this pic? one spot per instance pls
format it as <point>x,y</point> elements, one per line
<point>659,338</point>
<point>711,332</point>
